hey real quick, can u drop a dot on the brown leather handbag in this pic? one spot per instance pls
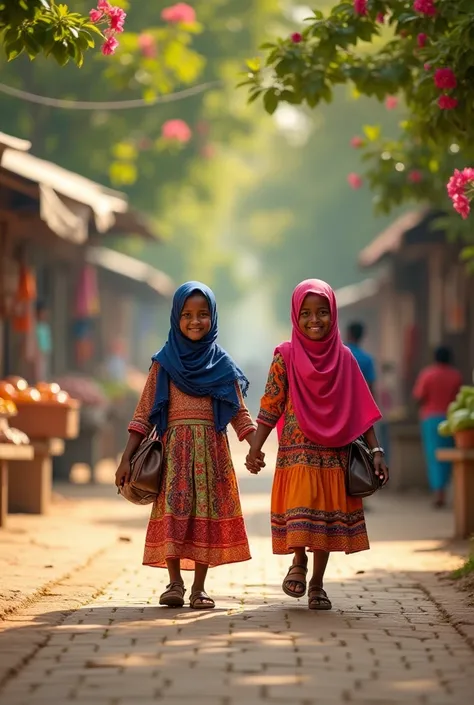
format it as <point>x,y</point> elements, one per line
<point>146,466</point>
<point>361,480</point>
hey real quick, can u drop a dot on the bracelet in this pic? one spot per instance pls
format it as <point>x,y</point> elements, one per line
<point>377,450</point>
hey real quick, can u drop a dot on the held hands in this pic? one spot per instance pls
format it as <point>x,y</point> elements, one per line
<point>381,469</point>
<point>255,461</point>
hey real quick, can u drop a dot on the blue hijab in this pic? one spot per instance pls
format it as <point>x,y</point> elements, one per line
<point>198,368</point>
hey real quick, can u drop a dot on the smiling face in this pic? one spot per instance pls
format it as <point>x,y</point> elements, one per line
<point>195,319</point>
<point>315,317</point>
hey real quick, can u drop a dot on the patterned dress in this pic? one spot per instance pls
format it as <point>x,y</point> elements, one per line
<point>309,506</point>
<point>197,516</point>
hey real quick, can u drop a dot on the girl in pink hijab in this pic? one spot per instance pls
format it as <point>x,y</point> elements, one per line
<point>317,395</point>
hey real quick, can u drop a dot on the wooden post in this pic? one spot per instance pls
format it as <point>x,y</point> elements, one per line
<point>3,492</point>
<point>8,452</point>
<point>31,482</point>
<point>463,484</point>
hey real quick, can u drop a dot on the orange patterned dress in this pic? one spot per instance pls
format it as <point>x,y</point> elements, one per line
<point>197,516</point>
<point>309,506</point>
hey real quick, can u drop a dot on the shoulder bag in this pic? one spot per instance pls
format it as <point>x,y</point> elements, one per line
<point>361,480</point>
<point>146,467</point>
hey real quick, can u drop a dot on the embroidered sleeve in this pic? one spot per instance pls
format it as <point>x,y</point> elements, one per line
<point>242,422</point>
<point>273,402</point>
<point>140,422</point>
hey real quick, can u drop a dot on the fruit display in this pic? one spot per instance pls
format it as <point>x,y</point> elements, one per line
<point>44,411</point>
<point>460,419</point>
<point>7,434</point>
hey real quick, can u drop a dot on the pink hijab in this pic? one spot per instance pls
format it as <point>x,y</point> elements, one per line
<point>331,399</point>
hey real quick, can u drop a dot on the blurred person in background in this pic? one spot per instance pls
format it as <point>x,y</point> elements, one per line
<point>44,342</point>
<point>354,336</point>
<point>436,387</point>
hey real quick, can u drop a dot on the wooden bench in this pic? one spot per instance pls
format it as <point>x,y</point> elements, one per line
<point>31,481</point>
<point>463,485</point>
<point>10,453</point>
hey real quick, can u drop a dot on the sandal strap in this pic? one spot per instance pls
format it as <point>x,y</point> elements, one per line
<point>175,586</point>
<point>317,593</point>
<point>200,595</point>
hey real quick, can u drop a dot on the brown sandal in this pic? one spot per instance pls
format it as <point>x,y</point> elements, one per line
<point>200,600</point>
<point>318,599</point>
<point>173,596</point>
<point>291,577</point>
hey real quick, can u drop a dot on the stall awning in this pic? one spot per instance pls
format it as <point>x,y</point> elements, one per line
<point>67,199</point>
<point>131,268</point>
<point>391,240</point>
<point>356,293</point>
<point>8,141</point>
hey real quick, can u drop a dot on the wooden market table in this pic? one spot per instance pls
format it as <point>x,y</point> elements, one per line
<point>10,452</point>
<point>463,483</point>
<point>31,480</point>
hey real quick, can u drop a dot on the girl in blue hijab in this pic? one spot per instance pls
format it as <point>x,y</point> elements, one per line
<point>193,391</point>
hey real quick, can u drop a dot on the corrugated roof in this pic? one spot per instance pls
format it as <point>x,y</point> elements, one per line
<point>391,239</point>
<point>131,268</point>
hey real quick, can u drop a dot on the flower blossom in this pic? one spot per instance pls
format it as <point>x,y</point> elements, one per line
<point>391,102</point>
<point>360,7</point>
<point>176,131</point>
<point>445,79</point>
<point>460,189</point>
<point>446,102</point>
<point>147,45</point>
<point>357,142</point>
<point>425,7</point>
<point>422,39</point>
<point>415,176</point>
<point>380,17</point>
<point>109,46</point>
<point>355,181</point>
<point>296,37</point>
<point>181,13</point>
<point>115,19</point>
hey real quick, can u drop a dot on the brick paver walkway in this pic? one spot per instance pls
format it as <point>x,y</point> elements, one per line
<point>387,641</point>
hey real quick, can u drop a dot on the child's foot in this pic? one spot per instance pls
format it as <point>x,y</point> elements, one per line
<point>200,600</point>
<point>318,599</point>
<point>173,596</point>
<point>294,584</point>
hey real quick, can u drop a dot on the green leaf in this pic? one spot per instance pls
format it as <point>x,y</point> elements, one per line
<point>14,49</point>
<point>60,53</point>
<point>254,64</point>
<point>270,100</point>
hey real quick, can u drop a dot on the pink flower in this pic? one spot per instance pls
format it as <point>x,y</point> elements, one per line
<point>176,130</point>
<point>380,17</point>
<point>360,7</point>
<point>445,79</point>
<point>117,19</point>
<point>427,66</point>
<point>445,102</point>
<point>425,7</point>
<point>357,142</point>
<point>104,6</point>
<point>95,16</point>
<point>415,176</point>
<point>181,13</point>
<point>355,181</point>
<point>109,46</point>
<point>147,45</point>
<point>391,102</point>
<point>460,189</point>
<point>421,39</point>
<point>296,38</point>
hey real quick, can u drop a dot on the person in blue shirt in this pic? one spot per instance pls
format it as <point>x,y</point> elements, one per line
<point>354,337</point>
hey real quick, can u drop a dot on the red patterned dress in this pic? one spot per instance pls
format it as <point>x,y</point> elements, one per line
<point>310,506</point>
<point>197,516</point>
